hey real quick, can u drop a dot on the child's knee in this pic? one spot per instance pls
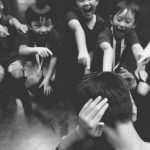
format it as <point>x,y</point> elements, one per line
<point>1,73</point>
<point>17,74</point>
<point>16,69</point>
<point>32,80</point>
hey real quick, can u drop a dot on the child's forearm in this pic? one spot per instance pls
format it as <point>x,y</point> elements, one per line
<point>108,56</point>
<point>25,50</point>
<point>52,65</point>
<point>137,51</point>
<point>70,140</point>
<point>75,25</point>
<point>14,22</point>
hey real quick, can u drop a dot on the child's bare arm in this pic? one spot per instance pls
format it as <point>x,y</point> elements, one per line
<point>137,51</point>
<point>108,56</point>
<point>3,31</point>
<point>46,81</point>
<point>42,51</point>
<point>19,26</point>
<point>83,56</point>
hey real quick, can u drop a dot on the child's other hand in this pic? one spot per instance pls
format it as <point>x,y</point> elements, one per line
<point>84,59</point>
<point>87,71</point>
<point>47,88</point>
<point>3,31</point>
<point>43,51</point>
<point>22,28</point>
<point>90,117</point>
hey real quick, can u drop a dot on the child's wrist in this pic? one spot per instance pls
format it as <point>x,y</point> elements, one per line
<point>82,135</point>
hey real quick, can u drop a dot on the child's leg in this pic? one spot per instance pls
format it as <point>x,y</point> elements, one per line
<point>32,77</point>
<point>16,72</point>
<point>129,77</point>
<point>1,73</point>
<point>16,69</point>
<point>31,74</point>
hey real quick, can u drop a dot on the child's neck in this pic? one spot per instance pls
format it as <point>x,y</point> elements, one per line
<point>124,137</point>
<point>91,22</point>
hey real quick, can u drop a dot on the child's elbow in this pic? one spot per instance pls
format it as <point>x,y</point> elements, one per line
<point>105,46</point>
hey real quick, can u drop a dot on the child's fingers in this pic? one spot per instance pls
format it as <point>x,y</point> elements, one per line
<point>40,85</point>
<point>50,52</point>
<point>100,114</point>
<point>97,108</point>
<point>86,106</point>
<point>93,104</point>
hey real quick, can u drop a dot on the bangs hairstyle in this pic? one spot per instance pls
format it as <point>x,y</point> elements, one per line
<point>130,5</point>
<point>36,11</point>
<point>107,85</point>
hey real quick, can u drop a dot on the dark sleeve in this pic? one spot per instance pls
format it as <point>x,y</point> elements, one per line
<point>104,36</point>
<point>5,19</point>
<point>132,37</point>
<point>70,16</point>
<point>24,39</point>
<point>54,43</point>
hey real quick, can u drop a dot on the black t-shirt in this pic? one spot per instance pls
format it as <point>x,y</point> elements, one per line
<point>8,45</point>
<point>69,50</point>
<point>51,41</point>
<point>130,39</point>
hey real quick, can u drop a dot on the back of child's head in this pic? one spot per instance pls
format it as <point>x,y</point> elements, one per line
<point>130,5</point>
<point>107,85</point>
<point>38,10</point>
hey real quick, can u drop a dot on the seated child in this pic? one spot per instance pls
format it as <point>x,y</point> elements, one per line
<point>143,76</point>
<point>9,57</point>
<point>79,44</point>
<point>39,48</point>
<point>109,114</point>
<point>11,68</point>
<point>122,37</point>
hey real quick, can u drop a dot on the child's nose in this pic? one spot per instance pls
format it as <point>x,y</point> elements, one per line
<point>122,25</point>
<point>86,2</point>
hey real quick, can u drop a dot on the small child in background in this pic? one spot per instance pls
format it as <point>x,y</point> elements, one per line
<point>79,44</point>
<point>143,75</point>
<point>39,48</point>
<point>11,68</point>
<point>122,38</point>
<point>9,57</point>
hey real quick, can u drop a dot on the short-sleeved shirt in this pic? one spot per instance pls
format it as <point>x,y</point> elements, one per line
<point>51,41</point>
<point>130,39</point>
<point>69,46</point>
<point>8,45</point>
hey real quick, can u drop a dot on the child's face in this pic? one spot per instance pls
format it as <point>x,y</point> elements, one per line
<point>1,7</point>
<point>122,22</point>
<point>42,27</point>
<point>87,7</point>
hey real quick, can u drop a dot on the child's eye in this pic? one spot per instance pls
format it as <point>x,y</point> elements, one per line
<point>128,21</point>
<point>37,25</point>
<point>119,18</point>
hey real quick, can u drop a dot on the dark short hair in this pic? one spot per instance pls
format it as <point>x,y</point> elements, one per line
<point>37,10</point>
<point>108,85</point>
<point>131,5</point>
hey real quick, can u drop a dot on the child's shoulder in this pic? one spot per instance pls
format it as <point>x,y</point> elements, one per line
<point>4,20</point>
<point>99,18</point>
<point>73,14</point>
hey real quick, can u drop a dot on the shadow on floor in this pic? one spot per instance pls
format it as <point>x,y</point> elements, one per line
<point>42,131</point>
